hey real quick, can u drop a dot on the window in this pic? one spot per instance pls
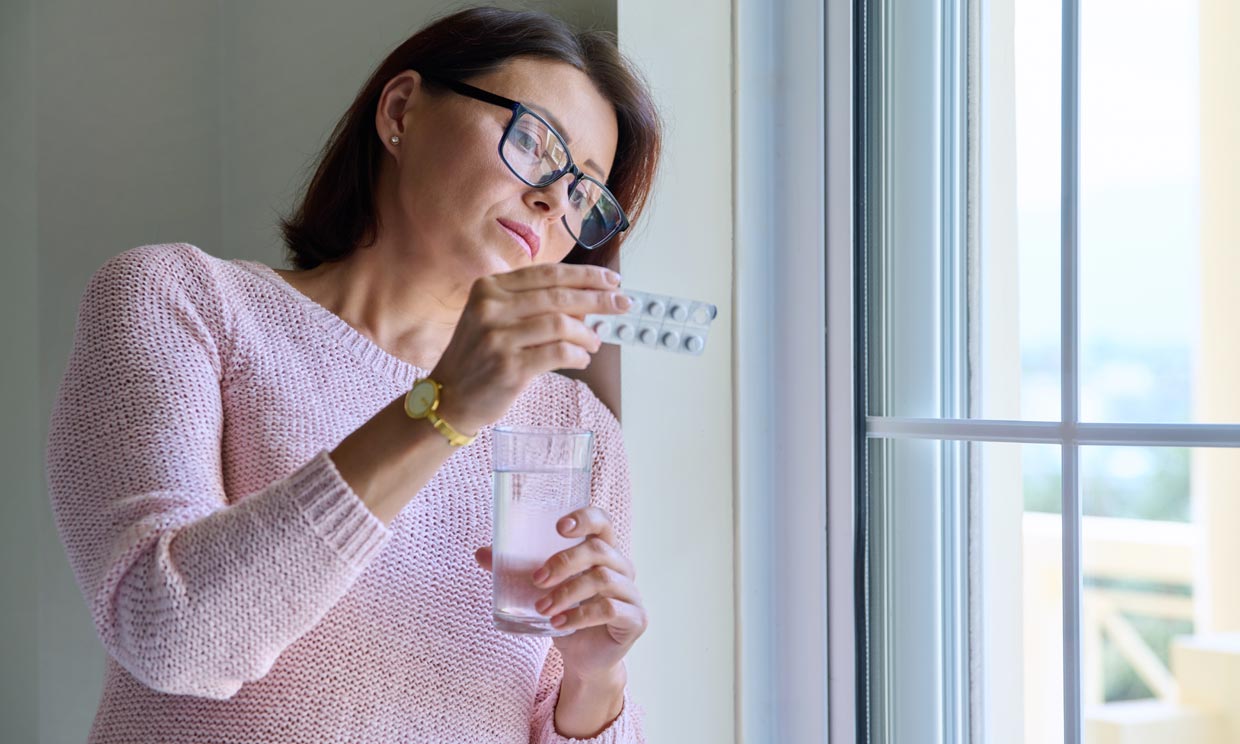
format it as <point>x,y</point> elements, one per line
<point>1047,495</point>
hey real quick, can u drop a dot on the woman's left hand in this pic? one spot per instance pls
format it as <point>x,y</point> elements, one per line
<point>610,617</point>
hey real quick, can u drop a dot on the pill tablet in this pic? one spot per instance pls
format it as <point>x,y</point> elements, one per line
<point>657,321</point>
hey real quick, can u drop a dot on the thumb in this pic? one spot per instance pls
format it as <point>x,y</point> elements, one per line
<point>483,556</point>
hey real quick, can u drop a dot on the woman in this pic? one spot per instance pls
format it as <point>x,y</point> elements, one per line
<point>273,549</point>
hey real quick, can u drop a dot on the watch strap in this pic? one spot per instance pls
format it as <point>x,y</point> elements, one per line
<point>455,438</point>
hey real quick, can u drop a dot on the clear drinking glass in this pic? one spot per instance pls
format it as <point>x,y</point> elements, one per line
<point>539,476</point>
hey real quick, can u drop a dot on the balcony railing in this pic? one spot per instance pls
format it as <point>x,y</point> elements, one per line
<point>1131,568</point>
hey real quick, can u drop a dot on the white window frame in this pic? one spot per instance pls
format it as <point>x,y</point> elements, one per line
<point>793,195</point>
<point>1069,432</point>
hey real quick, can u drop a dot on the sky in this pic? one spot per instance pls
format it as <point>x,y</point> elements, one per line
<point>1139,172</point>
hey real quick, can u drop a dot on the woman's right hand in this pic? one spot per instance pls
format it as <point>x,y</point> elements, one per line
<point>516,326</point>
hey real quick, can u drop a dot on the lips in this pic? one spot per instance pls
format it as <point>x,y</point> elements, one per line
<point>523,233</point>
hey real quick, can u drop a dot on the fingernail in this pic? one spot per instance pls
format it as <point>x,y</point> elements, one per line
<point>567,524</point>
<point>541,575</point>
<point>613,277</point>
<point>542,604</point>
<point>558,620</point>
<point>621,301</point>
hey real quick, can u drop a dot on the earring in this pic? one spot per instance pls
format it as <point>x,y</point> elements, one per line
<point>395,140</point>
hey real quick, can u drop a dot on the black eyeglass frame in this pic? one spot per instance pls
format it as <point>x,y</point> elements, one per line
<point>518,109</point>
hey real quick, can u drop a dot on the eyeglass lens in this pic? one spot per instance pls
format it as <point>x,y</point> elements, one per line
<point>538,156</point>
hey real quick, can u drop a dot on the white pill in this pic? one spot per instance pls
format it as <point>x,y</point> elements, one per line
<point>648,335</point>
<point>601,327</point>
<point>625,332</point>
<point>655,309</point>
<point>701,316</point>
<point>679,312</point>
<point>670,339</point>
<point>694,343</point>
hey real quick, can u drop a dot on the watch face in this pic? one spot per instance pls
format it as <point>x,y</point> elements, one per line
<point>421,398</point>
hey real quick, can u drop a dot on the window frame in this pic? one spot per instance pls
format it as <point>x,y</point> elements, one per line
<point>1070,433</point>
<point>790,185</point>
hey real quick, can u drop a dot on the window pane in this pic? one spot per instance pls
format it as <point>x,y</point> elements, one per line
<point>911,598</point>
<point>1158,558</point>
<point>1017,330</point>
<point>966,328</point>
<point>940,614</point>
<point>1158,188</point>
<point>916,345</point>
<point>1020,607</point>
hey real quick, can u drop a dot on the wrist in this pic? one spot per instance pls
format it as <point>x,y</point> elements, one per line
<point>457,419</point>
<point>428,400</point>
<point>598,679</point>
<point>589,703</point>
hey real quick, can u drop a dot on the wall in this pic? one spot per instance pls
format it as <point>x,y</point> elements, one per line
<point>678,411</point>
<point>142,121</point>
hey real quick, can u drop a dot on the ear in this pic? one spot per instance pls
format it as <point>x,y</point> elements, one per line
<point>396,102</point>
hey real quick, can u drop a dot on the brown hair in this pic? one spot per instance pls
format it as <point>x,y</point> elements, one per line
<point>337,213</point>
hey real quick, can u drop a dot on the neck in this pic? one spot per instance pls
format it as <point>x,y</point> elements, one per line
<point>392,297</point>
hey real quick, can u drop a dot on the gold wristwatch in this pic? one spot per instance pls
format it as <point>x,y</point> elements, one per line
<point>421,403</point>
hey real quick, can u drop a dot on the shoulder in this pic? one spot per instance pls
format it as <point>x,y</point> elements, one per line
<point>157,259</point>
<point>553,399</point>
<point>163,269</point>
<point>595,415</point>
<point>159,294</point>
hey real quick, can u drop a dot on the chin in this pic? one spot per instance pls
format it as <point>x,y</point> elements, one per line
<point>499,264</point>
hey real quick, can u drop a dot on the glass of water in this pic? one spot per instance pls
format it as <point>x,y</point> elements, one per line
<point>540,475</point>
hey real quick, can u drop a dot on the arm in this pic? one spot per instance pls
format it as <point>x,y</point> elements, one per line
<point>191,595</point>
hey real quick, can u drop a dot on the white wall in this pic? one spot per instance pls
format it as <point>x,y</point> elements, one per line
<point>141,121</point>
<point>678,413</point>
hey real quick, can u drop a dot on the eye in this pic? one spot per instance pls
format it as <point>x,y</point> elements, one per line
<point>579,199</point>
<point>527,142</point>
<point>585,197</point>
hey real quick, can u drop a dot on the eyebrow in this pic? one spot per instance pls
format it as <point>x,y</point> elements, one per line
<point>560,128</point>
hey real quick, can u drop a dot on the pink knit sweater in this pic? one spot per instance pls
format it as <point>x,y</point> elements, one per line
<point>242,590</point>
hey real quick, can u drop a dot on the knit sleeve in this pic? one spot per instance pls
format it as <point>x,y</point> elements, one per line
<point>610,490</point>
<point>192,592</point>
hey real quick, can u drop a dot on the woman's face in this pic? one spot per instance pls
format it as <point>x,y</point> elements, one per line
<point>453,193</point>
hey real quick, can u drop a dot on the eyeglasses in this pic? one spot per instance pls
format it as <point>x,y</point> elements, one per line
<point>538,155</point>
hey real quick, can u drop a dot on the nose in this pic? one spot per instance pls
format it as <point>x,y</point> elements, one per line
<point>552,199</point>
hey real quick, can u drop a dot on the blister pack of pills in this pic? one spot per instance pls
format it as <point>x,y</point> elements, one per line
<point>657,322</point>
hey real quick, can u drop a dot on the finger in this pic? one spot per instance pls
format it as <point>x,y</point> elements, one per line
<point>593,551</point>
<point>483,556</point>
<point>588,520</point>
<point>557,355</point>
<point>599,581</point>
<point>576,302</point>
<point>540,276</point>
<point>546,329</point>
<point>620,616</point>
